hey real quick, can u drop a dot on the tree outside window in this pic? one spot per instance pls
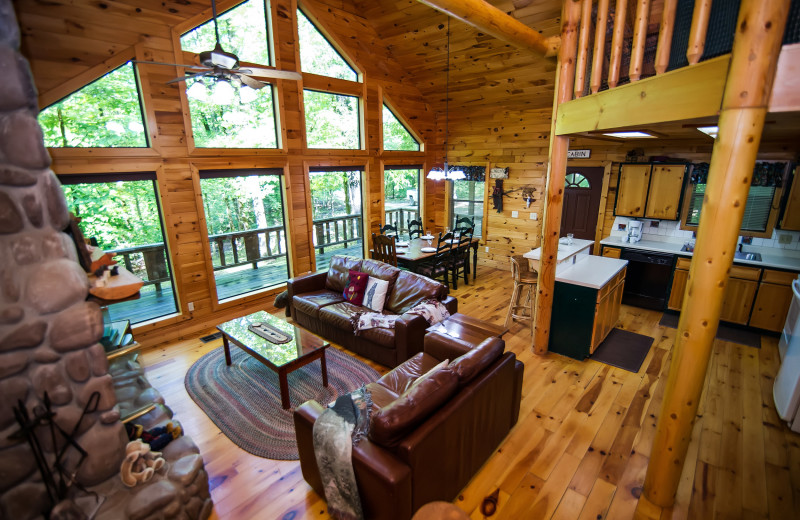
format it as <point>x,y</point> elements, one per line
<point>401,196</point>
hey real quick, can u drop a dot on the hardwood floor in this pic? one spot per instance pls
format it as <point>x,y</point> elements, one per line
<point>581,447</point>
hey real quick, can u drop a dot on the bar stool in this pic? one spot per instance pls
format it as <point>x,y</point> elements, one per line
<point>523,277</point>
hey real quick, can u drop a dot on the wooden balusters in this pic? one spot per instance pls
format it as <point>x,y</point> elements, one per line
<point>639,40</point>
<point>616,43</point>
<point>697,35</point>
<point>665,35</point>
<point>599,45</point>
<point>583,47</point>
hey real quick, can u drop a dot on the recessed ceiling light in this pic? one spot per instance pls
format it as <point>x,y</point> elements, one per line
<point>709,130</point>
<point>626,135</point>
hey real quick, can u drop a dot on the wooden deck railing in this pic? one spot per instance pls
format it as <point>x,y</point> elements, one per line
<point>151,267</point>
<point>227,248</point>
<point>336,230</point>
<point>399,217</point>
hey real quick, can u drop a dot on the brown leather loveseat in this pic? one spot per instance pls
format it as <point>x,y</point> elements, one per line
<point>316,303</point>
<point>427,441</point>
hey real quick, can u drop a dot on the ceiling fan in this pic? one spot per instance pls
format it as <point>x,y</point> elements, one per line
<point>222,65</point>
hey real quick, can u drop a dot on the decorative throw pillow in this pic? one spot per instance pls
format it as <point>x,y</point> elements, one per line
<point>375,294</point>
<point>428,374</point>
<point>356,285</point>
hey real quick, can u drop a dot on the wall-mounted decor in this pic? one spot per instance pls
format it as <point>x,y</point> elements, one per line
<point>499,173</point>
<point>527,195</point>
<point>579,154</point>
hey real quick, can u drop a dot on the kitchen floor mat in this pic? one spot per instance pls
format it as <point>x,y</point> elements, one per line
<point>724,332</point>
<point>623,349</point>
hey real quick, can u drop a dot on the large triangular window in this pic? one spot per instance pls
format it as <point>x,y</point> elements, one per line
<point>317,55</point>
<point>242,30</point>
<point>105,113</point>
<point>228,114</point>
<point>395,135</point>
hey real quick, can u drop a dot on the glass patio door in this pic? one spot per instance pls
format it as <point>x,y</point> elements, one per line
<point>337,214</point>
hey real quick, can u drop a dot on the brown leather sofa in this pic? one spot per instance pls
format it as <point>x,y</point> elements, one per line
<point>427,441</point>
<point>316,303</point>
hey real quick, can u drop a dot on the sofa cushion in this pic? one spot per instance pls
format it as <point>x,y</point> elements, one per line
<point>382,271</point>
<point>403,376</point>
<point>339,272</point>
<point>381,396</point>
<point>393,422</point>
<point>410,289</point>
<point>311,302</point>
<point>383,337</point>
<point>476,360</point>
<point>375,294</point>
<point>339,314</point>
<point>356,286</point>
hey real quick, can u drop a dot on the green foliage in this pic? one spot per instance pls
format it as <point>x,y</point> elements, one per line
<point>241,124</point>
<point>317,55</point>
<point>395,135</point>
<point>104,113</point>
<point>332,120</point>
<point>242,203</point>
<point>400,186</point>
<point>118,214</point>
<point>242,31</point>
<point>335,193</point>
<point>462,190</point>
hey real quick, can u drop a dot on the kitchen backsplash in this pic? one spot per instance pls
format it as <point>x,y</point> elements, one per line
<point>670,231</point>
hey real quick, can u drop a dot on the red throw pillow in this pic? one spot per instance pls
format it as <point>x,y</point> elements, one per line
<point>356,285</point>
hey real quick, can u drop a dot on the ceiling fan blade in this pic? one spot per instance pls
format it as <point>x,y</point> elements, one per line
<point>184,78</point>
<point>184,65</point>
<point>251,82</point>
<point>271,73</point>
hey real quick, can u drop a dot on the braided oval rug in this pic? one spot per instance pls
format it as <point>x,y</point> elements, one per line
<point>244,399</point>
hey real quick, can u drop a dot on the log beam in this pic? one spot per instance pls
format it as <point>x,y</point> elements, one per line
<point>556,174</point>
<point>756,46</point>
<point>491,20</point>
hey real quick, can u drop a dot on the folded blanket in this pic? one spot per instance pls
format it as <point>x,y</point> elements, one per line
<point>432,310</point>
<point>335,433</point>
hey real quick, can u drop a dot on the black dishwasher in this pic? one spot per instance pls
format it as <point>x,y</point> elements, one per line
<point>647,281</point>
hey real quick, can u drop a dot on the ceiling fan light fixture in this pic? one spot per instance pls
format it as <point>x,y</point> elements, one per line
<point>222,92</point>
<point>436,174</point>
<point>247,94</point>
<point>454,174</point>
<point>198,90</point>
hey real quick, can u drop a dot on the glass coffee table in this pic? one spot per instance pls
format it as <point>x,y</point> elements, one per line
<point>281,358</point>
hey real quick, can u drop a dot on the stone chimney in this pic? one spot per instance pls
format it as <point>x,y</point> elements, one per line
<point>48,331</point>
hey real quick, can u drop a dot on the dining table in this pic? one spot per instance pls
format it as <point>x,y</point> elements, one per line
<point>411,256</point>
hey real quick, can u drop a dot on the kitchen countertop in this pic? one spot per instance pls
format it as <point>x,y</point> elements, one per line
<point>564,250</point>
<point>770,257</point>
<point>591,271</point>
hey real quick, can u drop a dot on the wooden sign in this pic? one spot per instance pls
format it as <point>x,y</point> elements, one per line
<point>579,154</point>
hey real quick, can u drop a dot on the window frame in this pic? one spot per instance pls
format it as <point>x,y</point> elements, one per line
<point>451,214</point>
<point>155,175</point>
<point>393,165</point>
<point>772,219</point>
<point>404,124</point>
<point>200,172</point>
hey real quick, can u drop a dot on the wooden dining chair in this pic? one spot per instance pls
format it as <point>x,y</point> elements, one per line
<point>439,264</point>
<point>414,229</point>
<point>464,223</point>
<point>383,249</point>
<point>389,229</point>
<point>459,256</point>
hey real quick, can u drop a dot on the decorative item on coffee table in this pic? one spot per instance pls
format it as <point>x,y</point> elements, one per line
<point>303,348</point>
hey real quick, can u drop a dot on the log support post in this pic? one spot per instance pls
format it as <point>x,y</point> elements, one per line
<point>556,173</point>
<point>756,47</point>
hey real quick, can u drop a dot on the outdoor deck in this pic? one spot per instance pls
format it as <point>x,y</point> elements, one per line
<point>230,282</point>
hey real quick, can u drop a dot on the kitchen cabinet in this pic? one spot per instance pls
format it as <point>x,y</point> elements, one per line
<point>611,252</point>
<point>791,212</point>
<point>606,313</point>
<point>650,190</point>
<point>772,301</point>
<point>679,279</point>
<point>739,294</point>
<point>664,195</point>
<point>634,180</point>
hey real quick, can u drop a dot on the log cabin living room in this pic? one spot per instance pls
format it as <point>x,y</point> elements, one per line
<point>399,259</point>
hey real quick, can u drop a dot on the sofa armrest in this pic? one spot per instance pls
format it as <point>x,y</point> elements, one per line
<point>304,284</point>
<point>441,346</point>
<point>451,302</point>
<point>409,335</point>
<point>384,482</point>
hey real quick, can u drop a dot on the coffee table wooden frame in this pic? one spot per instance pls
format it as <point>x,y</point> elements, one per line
<point>282,371</point>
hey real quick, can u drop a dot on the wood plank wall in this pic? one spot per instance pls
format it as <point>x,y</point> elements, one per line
<point>176,161</point>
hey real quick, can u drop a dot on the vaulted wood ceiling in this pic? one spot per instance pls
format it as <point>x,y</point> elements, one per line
<point>63,38</point>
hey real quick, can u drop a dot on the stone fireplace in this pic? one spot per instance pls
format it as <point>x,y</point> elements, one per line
<point>49,335</point>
